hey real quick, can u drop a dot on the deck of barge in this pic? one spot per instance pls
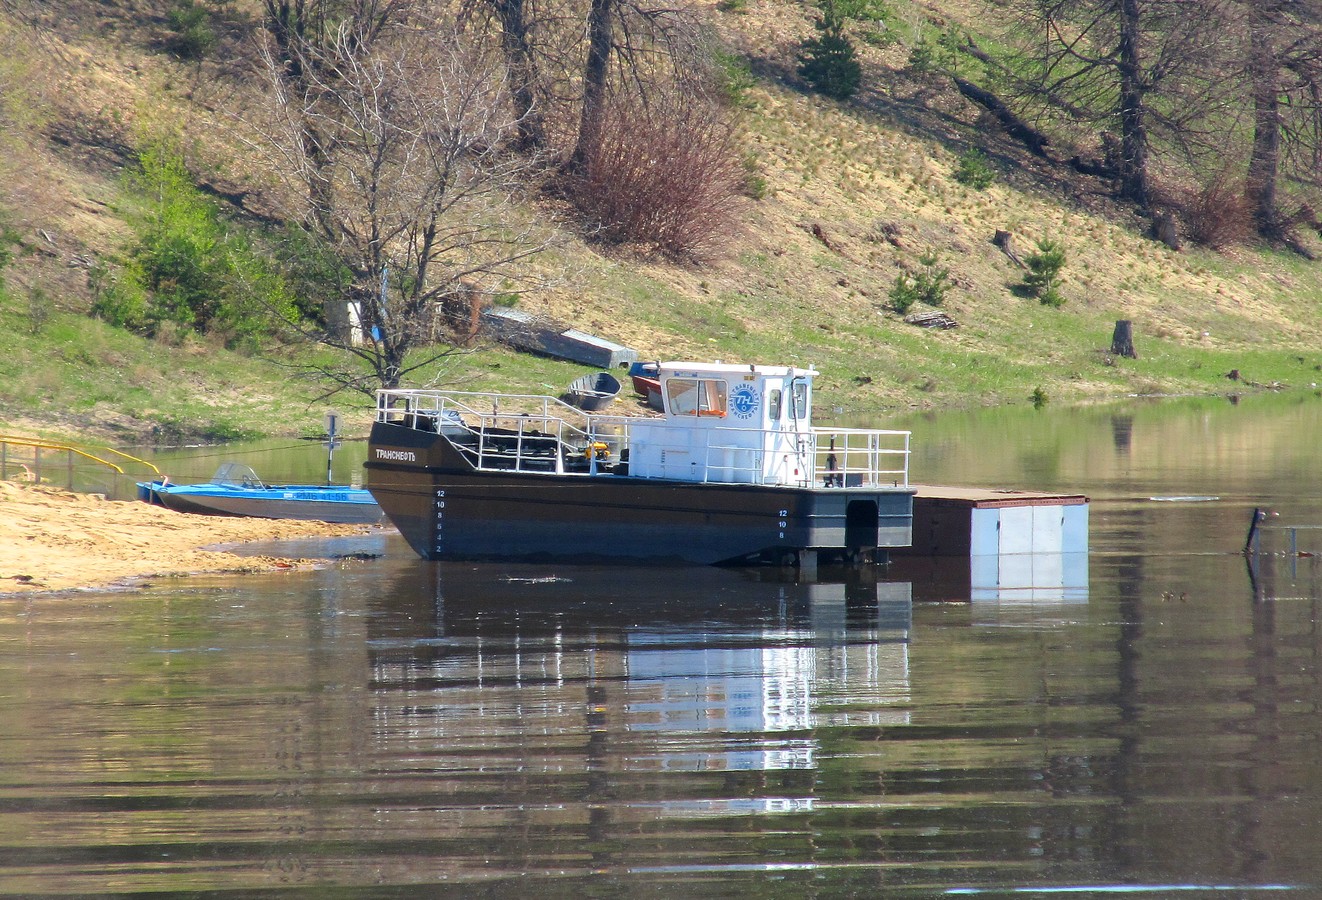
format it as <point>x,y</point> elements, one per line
<point>970,521</point>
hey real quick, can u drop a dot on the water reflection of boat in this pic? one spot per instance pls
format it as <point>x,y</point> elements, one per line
<point>235,490</point>
<point>1009,588</point>
<point>1009,579</point>
<point>733,472</point>
<point>729,672</point>
<point>471,600</point>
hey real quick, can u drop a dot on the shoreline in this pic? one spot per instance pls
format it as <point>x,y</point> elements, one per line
<point>53,540</point>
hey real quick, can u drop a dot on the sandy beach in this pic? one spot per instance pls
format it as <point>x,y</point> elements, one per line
<point>54,540</point>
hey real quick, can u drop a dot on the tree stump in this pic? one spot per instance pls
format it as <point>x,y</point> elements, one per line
<point>1005,240</point>
<point>1122,341</point>
<point>1167,231</point>
<point>820,234</point>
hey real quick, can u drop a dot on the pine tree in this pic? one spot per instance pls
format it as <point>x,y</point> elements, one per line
<point>829,61</point>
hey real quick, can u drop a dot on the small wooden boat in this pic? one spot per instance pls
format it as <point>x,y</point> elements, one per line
<point>235,490</point>
<point>592,392</point>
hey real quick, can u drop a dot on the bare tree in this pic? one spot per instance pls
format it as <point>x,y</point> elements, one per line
<point>516,42</point>
<point>1285,80</point>
<point>566,58</point>
<point>576,67</point>
<point>1127,65</point>
<point>391,132</point>
<point>647,50</point>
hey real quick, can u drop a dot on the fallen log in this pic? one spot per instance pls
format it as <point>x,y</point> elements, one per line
<point>1016,127</point>
<point>931,320</point>
<point>1092,167</point>
<point>816,231</point>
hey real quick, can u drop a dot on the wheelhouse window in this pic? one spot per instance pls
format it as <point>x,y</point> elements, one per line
<point>799,401</point>
<point>695,397</point>
<point>773,405</point>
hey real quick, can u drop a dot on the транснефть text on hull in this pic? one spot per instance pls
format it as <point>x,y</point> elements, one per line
<point>732,473</point>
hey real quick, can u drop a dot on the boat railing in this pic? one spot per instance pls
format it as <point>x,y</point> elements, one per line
<point>538,433</point>
<point>508,432</point>
<point>821,457</point>
<point>860,457</point>
<point>397,405</point>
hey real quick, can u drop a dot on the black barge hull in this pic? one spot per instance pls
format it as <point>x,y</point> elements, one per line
<point>446,509</point>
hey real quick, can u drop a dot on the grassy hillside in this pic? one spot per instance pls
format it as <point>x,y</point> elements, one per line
<point>855,194</point>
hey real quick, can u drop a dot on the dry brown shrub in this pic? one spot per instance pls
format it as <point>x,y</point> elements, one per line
<point>1217,214</point>
<point>665,175</point>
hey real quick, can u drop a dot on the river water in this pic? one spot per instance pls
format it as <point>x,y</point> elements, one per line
<point>385,727</point>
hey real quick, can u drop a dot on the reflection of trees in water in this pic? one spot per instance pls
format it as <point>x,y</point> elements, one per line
<point>1216,693</point>
<point>1122,433</point>
<point>1126,786</point>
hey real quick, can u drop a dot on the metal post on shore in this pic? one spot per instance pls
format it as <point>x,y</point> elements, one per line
<point>332,429</point>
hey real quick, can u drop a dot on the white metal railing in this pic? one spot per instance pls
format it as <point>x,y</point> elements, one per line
<point>537,433</point>
<point>396,404</point>
<point>850,457</point>
<point>821,457</point>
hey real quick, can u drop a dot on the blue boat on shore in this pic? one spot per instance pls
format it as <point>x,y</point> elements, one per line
<point>235,490</point>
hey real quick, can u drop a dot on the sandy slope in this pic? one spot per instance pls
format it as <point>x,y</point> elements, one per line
<point>54,540</point>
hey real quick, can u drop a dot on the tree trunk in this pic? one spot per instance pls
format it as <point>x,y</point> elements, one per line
<point>522,68</point>
<point>1133,127</point>
<point>601,33</point>
<point>1264,163</point>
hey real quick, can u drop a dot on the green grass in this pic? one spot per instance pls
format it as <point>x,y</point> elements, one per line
<point>78,373</point>
<point>81,374</point>
<point>79,370</point>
